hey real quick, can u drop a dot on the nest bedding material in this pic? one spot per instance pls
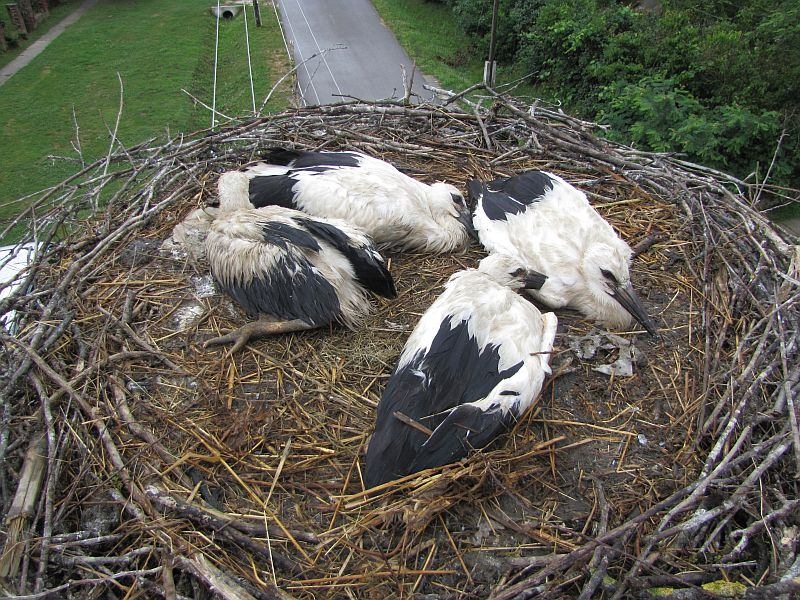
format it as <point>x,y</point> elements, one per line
<point>137,464</point>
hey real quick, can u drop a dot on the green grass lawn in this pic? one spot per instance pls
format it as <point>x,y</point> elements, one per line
<point>430,35</point>
<point>59,110</point>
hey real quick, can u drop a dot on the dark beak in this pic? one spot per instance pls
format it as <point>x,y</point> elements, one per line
<point>533,280</point>
<point>630,301</point>
<point>465,218</point>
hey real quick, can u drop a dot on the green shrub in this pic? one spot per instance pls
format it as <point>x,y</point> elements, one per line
<point>12,37</point>
<point>715,80</point>
<point>568,48</point>
<point>515,17</point>
<point>659,115</point>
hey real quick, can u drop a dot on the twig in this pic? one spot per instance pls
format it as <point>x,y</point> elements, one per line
<point>221,525</point>
<point>114,140</point>
<point>403,418</point>
<point>58,591</point>
<point>762,185</point>
<point>22,508</point>
<point>599,563</point>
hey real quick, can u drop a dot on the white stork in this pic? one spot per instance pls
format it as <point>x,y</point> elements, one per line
<point>397,211</point>
<point>295,271</point>
<point>549,226</point>
<point>474,363</point>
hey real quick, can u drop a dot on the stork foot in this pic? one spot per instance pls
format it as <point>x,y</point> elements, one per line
<point>257,329</point>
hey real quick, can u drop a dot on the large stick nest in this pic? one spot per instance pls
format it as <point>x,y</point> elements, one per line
<point>137,464</point>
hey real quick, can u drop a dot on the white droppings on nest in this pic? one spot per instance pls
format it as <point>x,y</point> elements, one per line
<point>204,286</point>
<point>187,243</point>
<point>486,532</point>
<point>187,316</point>
<point>169,249</point>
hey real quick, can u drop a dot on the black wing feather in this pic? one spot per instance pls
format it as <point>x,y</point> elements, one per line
<point>465,428</point>
<point>293,289</point>
<point>510,195</point>
<point>475,190</point>
<point>273,190</point>
<point>283,235</point>
<point>370,271</point>
<point>527,187</point>
<point>454,371</point>
<point>278,190</point>
<point>301,159</point>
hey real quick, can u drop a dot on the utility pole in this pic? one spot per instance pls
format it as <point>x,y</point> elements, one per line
<point>490,65</point>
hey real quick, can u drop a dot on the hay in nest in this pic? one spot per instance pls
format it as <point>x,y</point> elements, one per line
<point>137,464</point>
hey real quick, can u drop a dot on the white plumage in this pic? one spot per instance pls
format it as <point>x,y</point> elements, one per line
<point>474,363</point>
<point>397,211</point>
<point>549,226</point>
<point>298,271</point>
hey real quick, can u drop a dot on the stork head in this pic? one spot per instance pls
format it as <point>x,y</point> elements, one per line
<point>452,202</point>
<point>607,273</point>
<point>233,188</point>
<point>508,271</point>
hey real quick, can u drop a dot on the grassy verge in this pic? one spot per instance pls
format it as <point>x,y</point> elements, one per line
<point>58,112</point>
<point>430,36</point>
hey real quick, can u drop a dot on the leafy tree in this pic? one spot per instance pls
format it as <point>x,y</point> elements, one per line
<point>717,80</point>
<point>514,18</point>
<point>659,115</point>
<point>568,49</point>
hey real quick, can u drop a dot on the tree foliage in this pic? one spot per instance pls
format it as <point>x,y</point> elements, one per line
<point>717,80</point>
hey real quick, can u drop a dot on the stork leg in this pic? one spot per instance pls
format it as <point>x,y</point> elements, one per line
<point>265,326</point>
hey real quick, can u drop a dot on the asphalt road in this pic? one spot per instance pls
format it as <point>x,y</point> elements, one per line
<point>344,51</point>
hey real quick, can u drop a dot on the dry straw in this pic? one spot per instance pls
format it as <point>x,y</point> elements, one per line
<point>137,464</point>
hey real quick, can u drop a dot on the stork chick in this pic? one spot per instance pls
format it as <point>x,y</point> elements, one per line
<point>294,271</point>
<point>397,211</point>
<point>549,226</point>
<point>474,363</point>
